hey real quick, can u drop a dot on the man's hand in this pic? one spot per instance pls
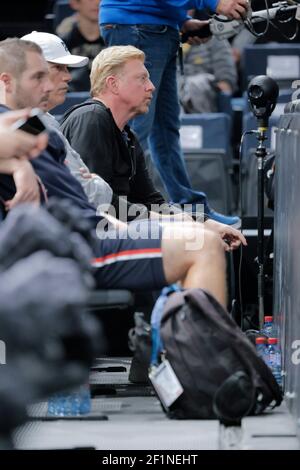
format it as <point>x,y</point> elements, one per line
<point>224,86</point>
<point>193,25</point>
<point>231,237</point>
<point>236,9</point>
<point>16,143</point>
<point>85,173</point>
<point>27,188</point>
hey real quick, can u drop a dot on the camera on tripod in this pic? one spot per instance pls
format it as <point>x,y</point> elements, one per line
<point>262,95</point>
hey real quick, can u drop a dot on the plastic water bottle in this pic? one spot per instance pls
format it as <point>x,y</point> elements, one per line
<point>275,359</point>
<point>269,327</point>
<point>73,403</point>
<point>261,346</point>
<point>85,401</point>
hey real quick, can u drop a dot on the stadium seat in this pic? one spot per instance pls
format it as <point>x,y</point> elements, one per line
<point>225,104</point>
<point>279,61</point>
<point>208,172</point>
<point>207,131</point>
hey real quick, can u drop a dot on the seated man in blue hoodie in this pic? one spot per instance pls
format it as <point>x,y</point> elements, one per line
<point>153,26</point>
<point>24,73</point>
<point>149,258</point>
<point>16,148</point>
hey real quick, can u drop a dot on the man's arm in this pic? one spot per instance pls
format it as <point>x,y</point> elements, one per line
<point>96,189</point>
<point>15,143</point>
<point>91,137</point>
<point>25,179</point>
<point>224,68</point>
<point>142,189</point>
<point>229,8</point>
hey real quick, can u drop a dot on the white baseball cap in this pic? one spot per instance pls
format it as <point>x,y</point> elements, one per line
<point>55,50</point>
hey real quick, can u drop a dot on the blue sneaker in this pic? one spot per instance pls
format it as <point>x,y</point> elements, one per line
<point>232,220</point>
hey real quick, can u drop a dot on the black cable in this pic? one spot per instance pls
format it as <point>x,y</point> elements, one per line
<point>289,38</point>
<point>287,20</point>
<point>271,23</point>
<point>250,27</point>
<point>249,22</point>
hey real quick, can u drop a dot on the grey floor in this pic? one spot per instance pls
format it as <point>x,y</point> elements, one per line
<point>136,421</point>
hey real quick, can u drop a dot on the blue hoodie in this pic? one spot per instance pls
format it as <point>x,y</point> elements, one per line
<point>167,12</point>
<point>55,175</point>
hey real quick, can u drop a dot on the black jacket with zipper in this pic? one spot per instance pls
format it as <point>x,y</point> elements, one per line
<point>118,158</point>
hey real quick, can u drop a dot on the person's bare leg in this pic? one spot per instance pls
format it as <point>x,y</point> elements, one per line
<point>202,267</point>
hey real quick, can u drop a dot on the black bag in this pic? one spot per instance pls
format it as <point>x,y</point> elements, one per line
<point>217,366</point>
<point>140,343</point>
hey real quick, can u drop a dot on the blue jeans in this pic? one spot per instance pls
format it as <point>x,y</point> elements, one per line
<point>159,128</point>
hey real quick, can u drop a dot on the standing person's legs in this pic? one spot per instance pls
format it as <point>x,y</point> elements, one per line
<point>165,138</point>
<point>160,44</point>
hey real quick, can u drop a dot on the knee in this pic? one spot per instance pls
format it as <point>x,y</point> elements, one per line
<point>212,242</point>
<point>197,240</point>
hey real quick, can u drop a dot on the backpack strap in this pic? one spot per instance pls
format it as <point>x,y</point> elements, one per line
<point>156,316</point>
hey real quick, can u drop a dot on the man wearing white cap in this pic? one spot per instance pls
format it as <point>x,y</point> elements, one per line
<point>59,59</point>
<point>55,50</point>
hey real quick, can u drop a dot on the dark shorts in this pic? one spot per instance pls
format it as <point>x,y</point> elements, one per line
<point>126,263</point>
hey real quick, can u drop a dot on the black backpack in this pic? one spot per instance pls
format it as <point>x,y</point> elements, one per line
<point>216,364</point>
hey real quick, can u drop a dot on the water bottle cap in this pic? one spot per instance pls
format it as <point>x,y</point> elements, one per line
<point>272,341</point>
<point>260,340</point>
<point>268,319</point>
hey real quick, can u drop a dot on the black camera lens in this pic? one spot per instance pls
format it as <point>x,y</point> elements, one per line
<point>255,92</point>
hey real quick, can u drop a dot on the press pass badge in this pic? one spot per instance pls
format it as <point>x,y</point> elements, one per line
<point>166,383</point>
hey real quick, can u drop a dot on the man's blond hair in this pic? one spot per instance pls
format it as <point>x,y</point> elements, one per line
<point>110,61</point>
